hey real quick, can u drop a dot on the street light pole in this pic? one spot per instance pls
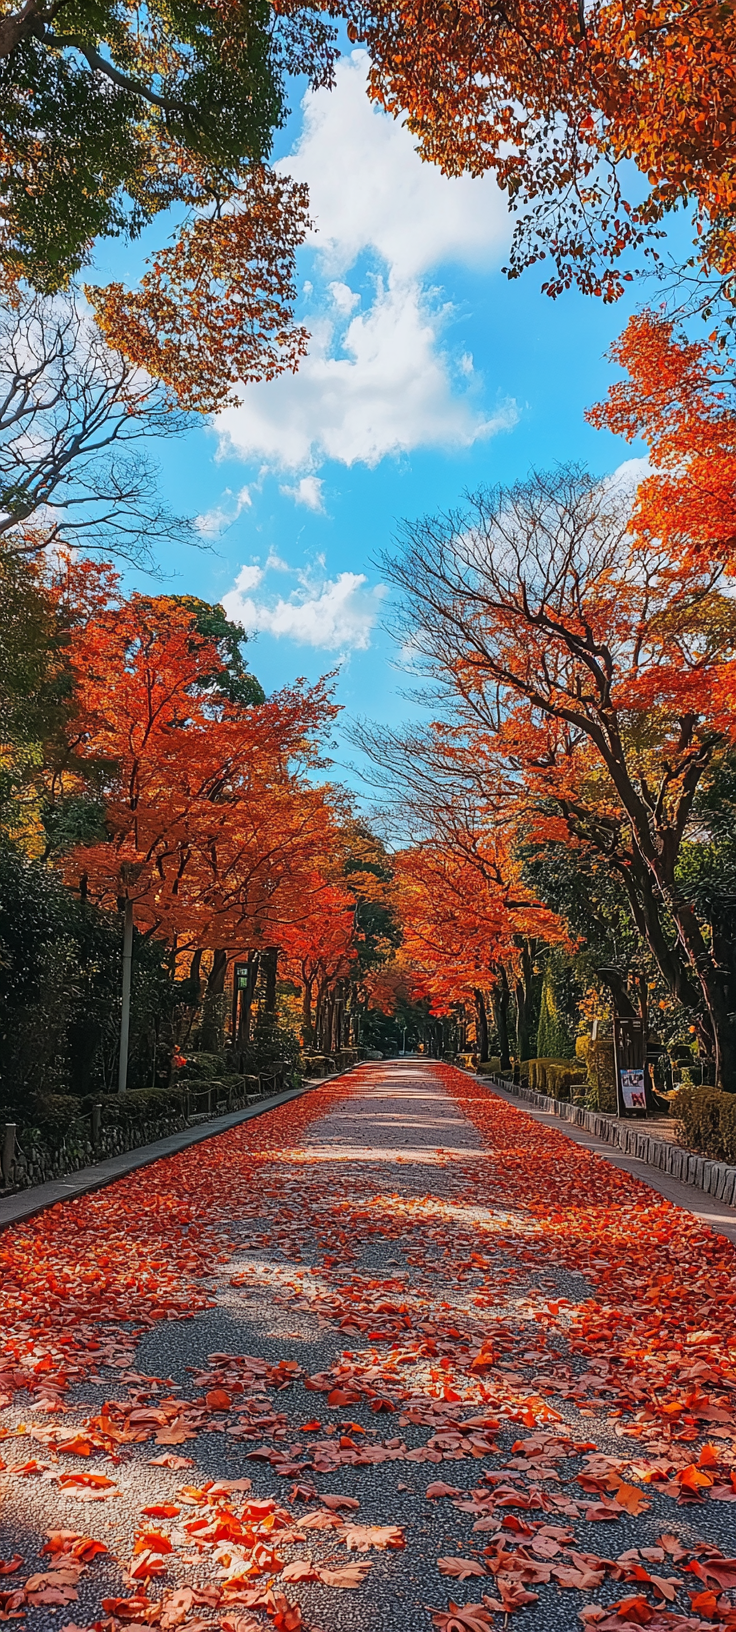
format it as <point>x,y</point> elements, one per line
<point>125,1013</point>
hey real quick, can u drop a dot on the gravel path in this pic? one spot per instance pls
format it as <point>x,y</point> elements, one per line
<point>409,1282</point>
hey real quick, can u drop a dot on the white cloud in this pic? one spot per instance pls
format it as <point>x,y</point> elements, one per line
<point>379,380</point>
<point>335,614</point>
<point>308,491</point>
<point>630,473</point>
<point>370,190</point>
<point>389,390</point>
<point>216,521</point>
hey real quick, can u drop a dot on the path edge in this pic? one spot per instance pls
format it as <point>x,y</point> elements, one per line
<point>717,1179</point>
<point>26,1204</point>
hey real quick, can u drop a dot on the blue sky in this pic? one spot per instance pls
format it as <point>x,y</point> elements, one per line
<point>428,373</point>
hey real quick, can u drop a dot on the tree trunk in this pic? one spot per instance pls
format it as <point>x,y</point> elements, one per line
<point>523,996</point>
<point>245,1000</point>
<point>500,1000</point>
<point>307,1028</point>
<point>481,1025</point>
<point>269,967</point>
<point>213,1018</point>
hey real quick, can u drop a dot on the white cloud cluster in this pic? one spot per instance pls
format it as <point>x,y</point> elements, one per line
<point>391,390</point>
<point>334,614</point>
<point>213,523</point>
<point>378,380</point>
<point>308,492</point>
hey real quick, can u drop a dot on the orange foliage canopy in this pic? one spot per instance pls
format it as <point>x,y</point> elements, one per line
<point>678,395</point>
<point>465,916</point>
<point>212,828</point>
<point>214,310</point>
<point>554,98</point>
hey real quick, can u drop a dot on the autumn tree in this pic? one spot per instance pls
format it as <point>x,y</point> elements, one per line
<point>593,674</point>
<point>208,817</point>
<point>556,102</point>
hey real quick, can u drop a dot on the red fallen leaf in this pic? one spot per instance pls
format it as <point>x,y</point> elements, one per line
<point>707,1602</point>
<point>462,1568</point>
<point>469,1618</point>
<point>11,1604</point>
<point>339,1397</point>
<point>723,1570</point>
<point>638,1610</point>
<point>152,1541</point>
<point>692,1478</point>
<point>8,1566</point>
<point>164,1510</point>
<point>630,1497</point>
<point>380,1403</point>
<point>709,1457</point>
<point>310,1427</point>
<point>440,1489</point>
<point>285,1616</point>
<point>602,1511</point>
<point>241,1623</point>
<point>170,1461</point>
<point>137,1608</point>
<point>149,1563</point>
<point>218,1400</point>
<point>336,1502</point>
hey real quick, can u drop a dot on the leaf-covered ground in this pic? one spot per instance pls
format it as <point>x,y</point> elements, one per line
<point>392,1355</point>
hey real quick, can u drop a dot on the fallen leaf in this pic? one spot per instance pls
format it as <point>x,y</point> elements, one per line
<point>462,1568</point>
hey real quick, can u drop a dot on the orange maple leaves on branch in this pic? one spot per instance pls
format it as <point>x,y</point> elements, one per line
<point>553,99</point>
<point>211,826</point>
<point>214,310</point>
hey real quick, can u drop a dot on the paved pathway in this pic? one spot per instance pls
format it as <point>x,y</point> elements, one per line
<point>396,1285</point>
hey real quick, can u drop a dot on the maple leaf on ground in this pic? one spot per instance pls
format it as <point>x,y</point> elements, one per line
<point>336,1502</point>
<point>441,1489</point>
<point>346,1575</point>
<point>462,1568</point>
<point>8,1566</point>
<point>359,1537</point>
<point>300,1569</point>
<point>629,1496</point>
<point>638,1610</point>
<point>469,1618</point>
<point>602,1511</point>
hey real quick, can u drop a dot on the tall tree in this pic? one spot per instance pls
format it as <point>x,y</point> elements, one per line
<point>595,675</point>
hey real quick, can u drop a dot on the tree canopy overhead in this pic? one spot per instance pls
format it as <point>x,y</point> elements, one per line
<point>111,114</point>
<point>554,99</point>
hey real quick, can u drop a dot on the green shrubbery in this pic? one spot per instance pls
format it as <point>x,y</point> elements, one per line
<point>557,1078</point>
<point>706,1122</point>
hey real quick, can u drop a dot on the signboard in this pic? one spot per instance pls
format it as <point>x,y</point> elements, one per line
<point>632,1089</point>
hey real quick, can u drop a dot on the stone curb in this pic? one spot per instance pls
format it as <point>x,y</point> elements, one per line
<point>24,1204</point>
<point>717,1179</point>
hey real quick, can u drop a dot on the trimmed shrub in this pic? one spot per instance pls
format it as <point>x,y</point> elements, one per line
<point>706,1122</point>
<point>601,1072</point>
<point>553,1077</point>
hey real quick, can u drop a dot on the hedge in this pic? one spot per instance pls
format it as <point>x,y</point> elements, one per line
<point>706,1122</point>
<point>557,1078</point>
